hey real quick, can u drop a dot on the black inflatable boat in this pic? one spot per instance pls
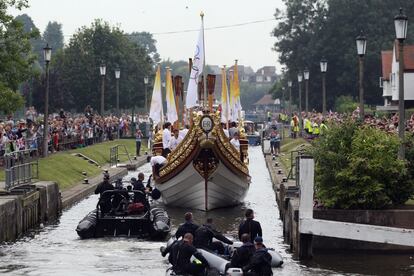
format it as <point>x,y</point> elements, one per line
<point>119,214</point>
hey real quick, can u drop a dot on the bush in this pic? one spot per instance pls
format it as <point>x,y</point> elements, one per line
<point>358,168</point>
<point>345,104</point>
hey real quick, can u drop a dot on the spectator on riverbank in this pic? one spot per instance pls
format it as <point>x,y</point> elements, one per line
<point>138,141</point>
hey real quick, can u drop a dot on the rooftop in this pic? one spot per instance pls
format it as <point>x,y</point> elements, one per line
<point>266,100</point>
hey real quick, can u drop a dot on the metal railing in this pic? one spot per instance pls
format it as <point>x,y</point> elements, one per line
<point>114,154</point>
<point>20,157</point>
<point>294,168</point>
<point>21,174</point>
<point>21,167</point>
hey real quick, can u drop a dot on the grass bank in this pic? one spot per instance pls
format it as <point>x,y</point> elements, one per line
<point>66,169</point>
<point>288,145</point>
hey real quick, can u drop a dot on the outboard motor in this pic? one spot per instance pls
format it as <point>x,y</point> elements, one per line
<point>234,271</point>
<point>161,223</point>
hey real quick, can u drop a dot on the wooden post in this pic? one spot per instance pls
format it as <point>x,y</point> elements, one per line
<point>306,183</point>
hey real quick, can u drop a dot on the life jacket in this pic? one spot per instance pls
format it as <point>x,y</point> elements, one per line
<point>315,128</point>
<point>323,128</point>
<point>136,208</point>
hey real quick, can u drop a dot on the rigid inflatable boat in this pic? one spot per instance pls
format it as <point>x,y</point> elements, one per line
<point>220,264</point>
<point>129,218</point>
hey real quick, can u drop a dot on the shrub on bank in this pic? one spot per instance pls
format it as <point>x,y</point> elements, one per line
<point>357,168</point>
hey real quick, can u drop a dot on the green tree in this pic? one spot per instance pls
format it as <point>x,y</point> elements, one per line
<point>75,76</point>
<point>15,48</point>
<point>146,41</point>
<point>345,104</point>
<point>312,29</point>
<point>10,101</point>
<point>53,35</point>
<point>37,42</point>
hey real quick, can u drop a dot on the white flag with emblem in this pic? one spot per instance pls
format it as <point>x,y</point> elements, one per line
<point>196,71</point>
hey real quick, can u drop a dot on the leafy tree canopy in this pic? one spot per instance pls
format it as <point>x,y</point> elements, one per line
<point>15,48</point>
<point>75,77</point>
<point>313,29</point>
<point>53,35</point>
<point>10,101</point>
<point>146,41</point>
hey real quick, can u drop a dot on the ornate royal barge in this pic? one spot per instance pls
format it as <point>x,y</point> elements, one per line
<point>205,171</point>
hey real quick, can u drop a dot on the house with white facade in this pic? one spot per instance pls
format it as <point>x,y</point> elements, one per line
<point>389,80</point>
<point>266,74</point>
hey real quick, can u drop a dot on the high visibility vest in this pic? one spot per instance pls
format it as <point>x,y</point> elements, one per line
<point>308,126</point>
<point>306,123</point>
<point>323,128</point>
<point>315,129</point>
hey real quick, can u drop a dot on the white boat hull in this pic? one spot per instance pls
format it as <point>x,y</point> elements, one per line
<point>190,190</point>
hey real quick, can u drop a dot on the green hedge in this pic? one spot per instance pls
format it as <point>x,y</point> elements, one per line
<point>357,168</point>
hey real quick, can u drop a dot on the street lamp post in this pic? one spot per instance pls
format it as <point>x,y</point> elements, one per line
<point>117,76</point>
<point>300,78</point>
<point>306,77</point>
<point>47,52</point>
<point>102,70</point>
<point>401,22</point>
<point>324,67</point>
<point>290,100</point>
<point>146,97</point>
<point>361,43</point>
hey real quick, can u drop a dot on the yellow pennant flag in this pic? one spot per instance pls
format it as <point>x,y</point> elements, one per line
<point>225,112</point>
<point>232,99</point>
<point>171,108</point>
<point>236,87</point>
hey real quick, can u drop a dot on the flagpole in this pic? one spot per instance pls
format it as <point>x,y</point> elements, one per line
<point>238,101</point>
<point>204,63</point>
<point>227,98</point>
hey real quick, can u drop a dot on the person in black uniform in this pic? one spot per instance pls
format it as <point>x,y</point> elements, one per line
<point>242,255</point>
<point>187,227</point>
<point>104,185</point>
<point>180,255</point>
<point>139,184</point>
<point>105,199</point>
<point>204,237</point>
<point>118,197</point>
<point>260,262</point>
<point>250,226</point>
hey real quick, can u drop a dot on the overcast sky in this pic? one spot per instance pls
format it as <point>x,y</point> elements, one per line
<point>251,44</point>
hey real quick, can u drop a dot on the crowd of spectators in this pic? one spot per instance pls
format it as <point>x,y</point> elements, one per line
<point>65,130</point>
<point>386,122</point>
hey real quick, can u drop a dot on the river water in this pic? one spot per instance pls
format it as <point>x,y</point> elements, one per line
<point>57,250</point>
